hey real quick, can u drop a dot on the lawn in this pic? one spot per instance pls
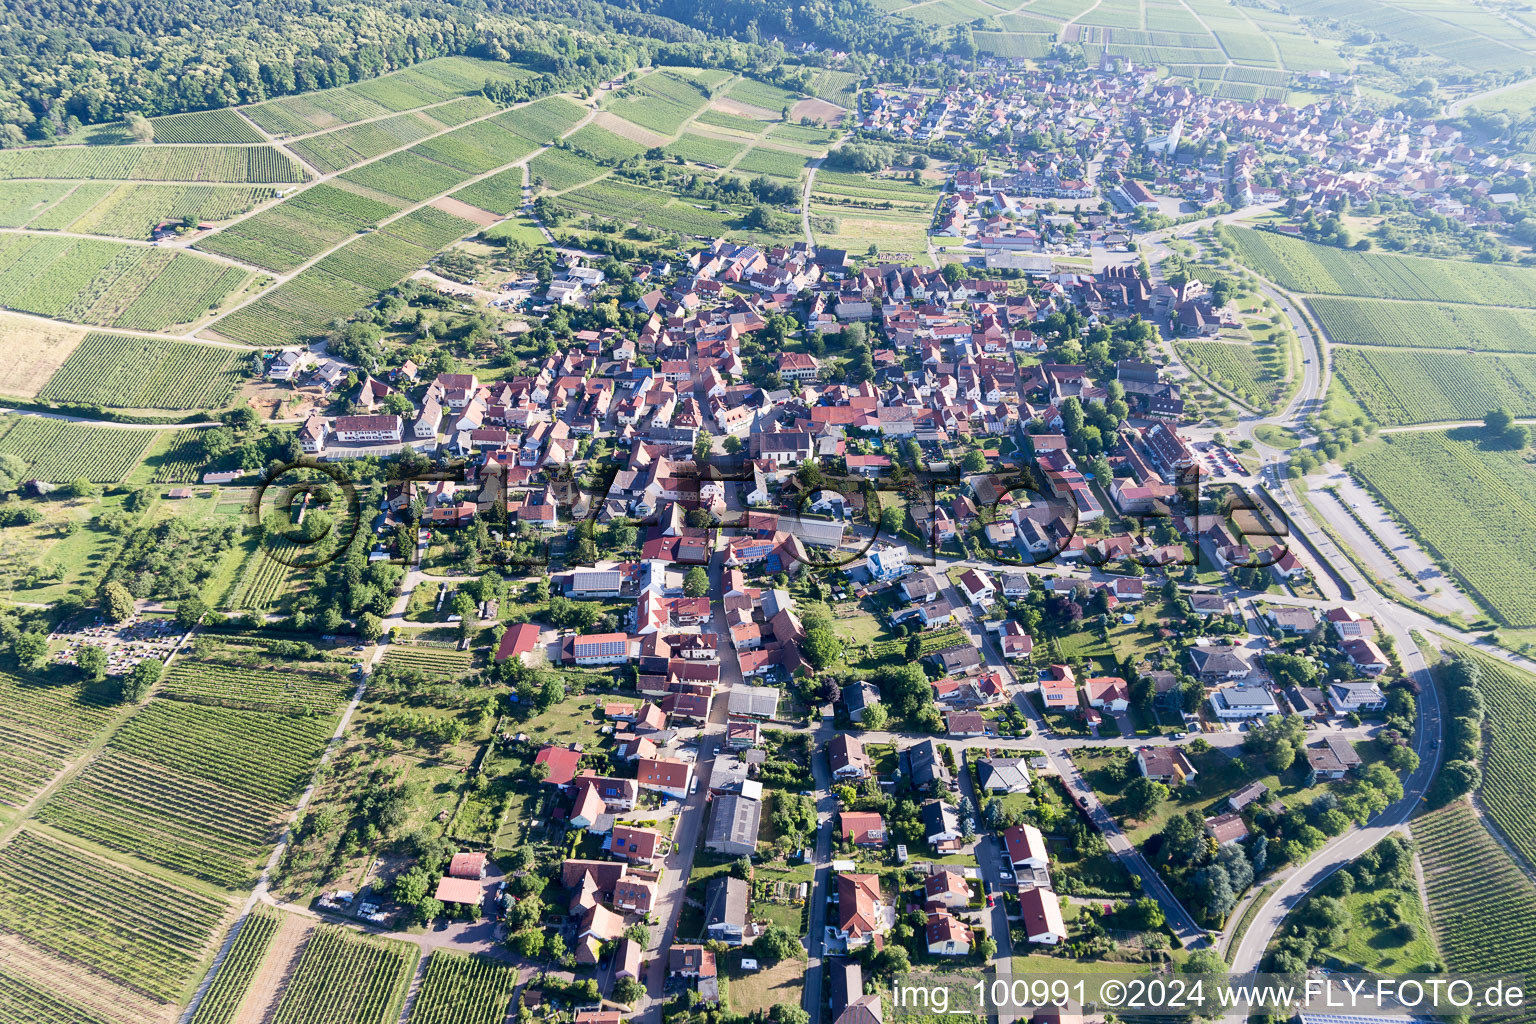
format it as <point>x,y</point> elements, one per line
<point>781,984</point>
<point>570,721</point>
<point>1376,947</point>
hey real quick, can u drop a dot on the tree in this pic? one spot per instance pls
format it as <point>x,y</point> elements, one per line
<point>118,603</point>
<point>875,717</point>
<point>370,627</point>
<point>80,487</point>
<point>30,649</point>
<point>190,610</point>
<point>1143,796</point>
<point>776,944</point>
<point>696,582</point>
<point>411,886</point>
<point>986,946</point>
<point>136,684</point>
<point>1498,420</point>
<point>821,647</point>
<point>139,127</point>
<point>627,991</point>
<point>554,948</point>
<point>12,469</point>
<point>788,1013</point>
<point>974,461</point>
<point>529,942</point>
<point>703,446</point>
<point>92,662</point>
<point>1456,779</point>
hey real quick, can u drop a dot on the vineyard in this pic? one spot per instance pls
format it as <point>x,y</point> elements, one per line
<point>542,121</point>
<point>476,148</point>
<point>1426,325</point>
<point>435,661</point>
<point>599,143</point>
<point>775,162</point>
<point>262,755</point>
<point>61,451</point>
<point>561,169</point>
<point>761,94</point>
<point>26,1003</point>
<point>281,688</point>
<point>1486,538</point>
<point>1510,735</point>
<point>179,459</point>
<point>937,640</point>
<point>1303,266</point>
<point>463,990</point>
<point>701,149</point>
<point>110,283</point>
<point>1235,369</point>
<point>222,1002</point>
<point>343,976</point>
<point>345,281</point>
<point>408,175</point>
<point>634,204</point>
<point>344,147</point>
<point>501,193</point>
<point>661,101</point>
<point>223,126</point>
<point>118,371</point>
<point>256,165</point>
<point>134,929</point>
<point>263,582</point>
<point>134,211</point>
<point>1466,876</point>
<point>156,814</point>
<point>1397,386</point>
<point>46,725</point>
<point>300,228</point>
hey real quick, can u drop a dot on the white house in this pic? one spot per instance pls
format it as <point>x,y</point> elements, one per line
<point>1042,917</point>
<point>978,588</point>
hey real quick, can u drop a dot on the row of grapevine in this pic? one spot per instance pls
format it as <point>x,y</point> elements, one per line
<point>225,996</point>
<point>130,372</point>
<point>63,451</point>
<point>463,990</point>
<point>345,976</point>
<point>258,165</point>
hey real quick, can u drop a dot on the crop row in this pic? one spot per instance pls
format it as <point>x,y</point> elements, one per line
<point>542,121</point>
<point>257,689</point>
<point>463,990</point>
<point>254,164</point>
<point>28,761</point>
<point>135,210</point>
<point>299,228</point>
<point>501,193</point>
<point>1397,386</point>
<point>601,144</point>
<point>62,451</point>
<point>343,976</point>
<point>561,169</point>
<point>26,1003</point>
<point>264,755</point>
<point>633,204</point>
<point>179,459</point>
<point>1235,369</point>
<point>166,817</point>
<point>661,101</point>
<point>134,929</point>
<point>223,999</point>
<point>223,126</point>
<point>1483,907</point>
<point>1304,266</point>
<point>340,149</point>
<point>124,371</point>
<point>476,148</point>
<point>1473,509</point>
<point>1508,791</point>
<point>436,661</point>
<point>777,162</point>
<point>1426,325</point>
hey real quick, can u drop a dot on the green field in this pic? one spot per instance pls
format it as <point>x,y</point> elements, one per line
<point>762,94</point>
<point>134,211</point>
<point>702,149</point>
<point>661,101</point>
<point>301,227</point>
<point>1486,537</point>
<point>61,451</point>
<point>122,371</point>
<point>344,976</point>
<point>1236,369</point>
<point>1301,266</point>
<point>48,722</point>
<point>257,165</point>
<point>257,684</point>
<point>1466,873</point>
<point>542,121</point>
<point>1426,325</point>
<point>346,147</point>
<point>109,283</point>
<point>1400,386</point>
<point>560,169</point>
<point>463,990</point>
<point>776,163</point>
<point>222,1001</point>
<point>601,144</point>
<point>131,928</point>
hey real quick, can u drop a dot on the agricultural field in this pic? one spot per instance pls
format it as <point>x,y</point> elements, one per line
<point>777,163</point>
<point>1302,266</point>
<point>109,283</point>
<point>268,756</point>
<point>443,662</point>
<point>1466,873</point>
<point>542,121</point>
<point>1486,537</point>
<point>134,211</point>
<point>635,204</point>
<point>138,931</point>
<point>1401,386</point>
<point>661,101</point>
<point>31,351</point>
<point>256,165</point>
<point>733,123</point>
<point>868,191</point>
<point>27,1002</point>
<point>761,94</point>
<point>1508,732</point>
<point>344,976</point>
<point>888,232</point>
<point>344,281</point>
<point>168,817</point>
<point>26,199</point>
<point>1426,325</point>
<point>804,135</point>
<point>501,193</point>
<point>408,175</point>
<point>345,147</point>
<point>463,990</point>
<point>222,1002</point>
<point>257,684</point>
<point>702,149</point>
<point>1236,369</point>
<point>476,148</point>
<point>46,725</point>
<point>223,125</point>
<point>441,81</point>
<point>79,199</point>
<point>299,228</point>
<point>560,169</point>
<point>176,457</point>
<point>122,371</point>
<point>61,451</point>
<point>603,145</point>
